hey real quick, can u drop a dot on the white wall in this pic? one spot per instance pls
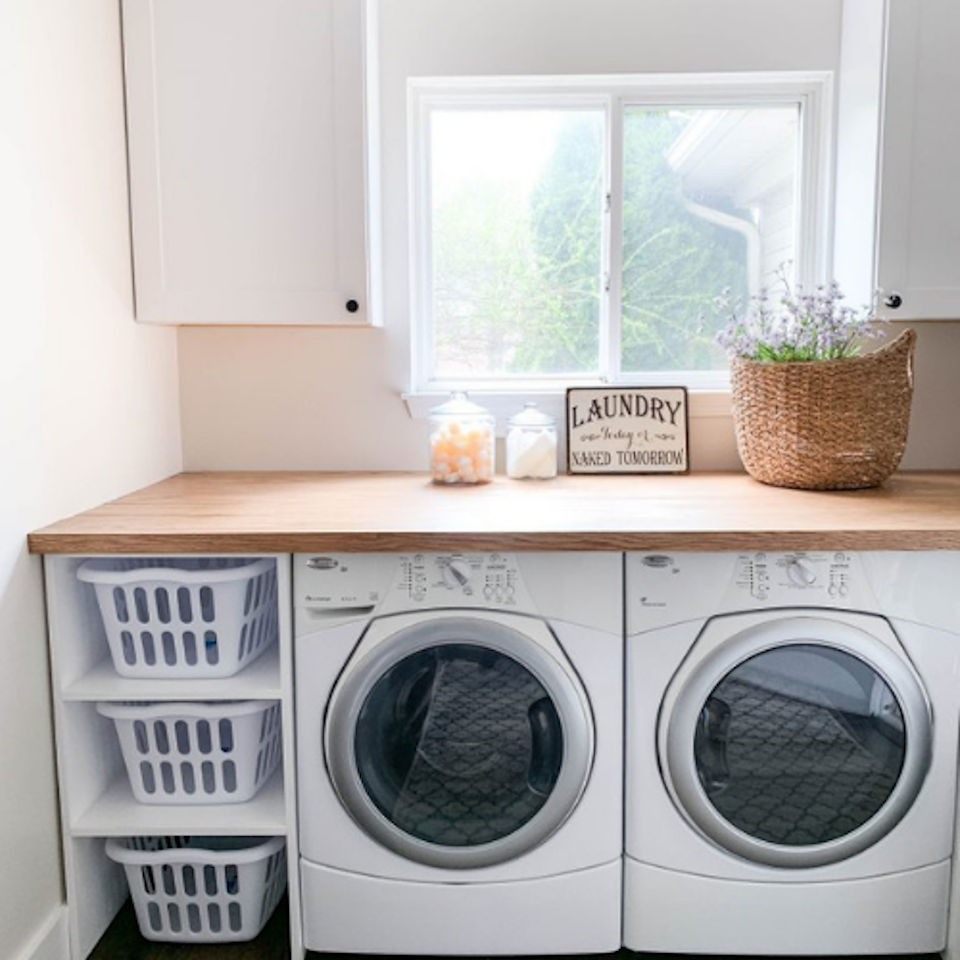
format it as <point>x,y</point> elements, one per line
<point>88,400</point>
<point>330,399</point>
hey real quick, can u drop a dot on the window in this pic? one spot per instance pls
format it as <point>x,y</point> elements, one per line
<point>577,231</point>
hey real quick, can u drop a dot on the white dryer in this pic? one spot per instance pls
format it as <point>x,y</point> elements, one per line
<point>459,752</point>
<point>791,752</point>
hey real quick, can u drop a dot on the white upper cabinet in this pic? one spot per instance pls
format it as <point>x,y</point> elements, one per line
<point>918,250</point>
<point>246,127</point>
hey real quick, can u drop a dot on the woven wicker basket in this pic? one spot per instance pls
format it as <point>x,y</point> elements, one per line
<point>824,425</point>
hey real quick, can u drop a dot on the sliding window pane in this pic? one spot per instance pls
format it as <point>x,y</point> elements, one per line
<point>515,241</point>
<point>709,205</point>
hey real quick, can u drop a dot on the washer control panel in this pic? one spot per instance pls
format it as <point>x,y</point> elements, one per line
<point>787,577</point>
<point>442,579</point>
<point>339,583</point>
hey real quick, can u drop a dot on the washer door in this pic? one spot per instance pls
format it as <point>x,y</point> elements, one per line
<point>798,742</point>
<point>459,742</point>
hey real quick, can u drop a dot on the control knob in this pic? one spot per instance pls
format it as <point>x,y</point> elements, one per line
<point>456,573</point>
<point>800,574</point>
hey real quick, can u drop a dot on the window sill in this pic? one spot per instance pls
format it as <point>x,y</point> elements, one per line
<point>503,404</point>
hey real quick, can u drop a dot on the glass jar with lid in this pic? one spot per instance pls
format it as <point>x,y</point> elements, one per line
<point>461,442</point>
<point>532,445</point>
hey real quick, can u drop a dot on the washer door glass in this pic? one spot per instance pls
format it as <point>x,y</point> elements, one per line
<point>458,745</point>
<point>460,741</point>
<point>800,745</point>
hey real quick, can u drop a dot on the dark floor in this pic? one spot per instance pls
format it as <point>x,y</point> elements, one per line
<point>123,942</point>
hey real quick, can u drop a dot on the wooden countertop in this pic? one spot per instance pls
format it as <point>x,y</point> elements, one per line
<point>292,512</point>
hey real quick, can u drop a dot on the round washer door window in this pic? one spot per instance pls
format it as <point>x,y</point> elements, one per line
<point>802,753</point>
<point>459,743</point>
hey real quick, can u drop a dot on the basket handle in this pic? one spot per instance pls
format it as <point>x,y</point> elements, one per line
<point>117,851</point>
<point>904,343</point>
<point>90,573</point>
<point>212,710</point>
<point>902,346</point>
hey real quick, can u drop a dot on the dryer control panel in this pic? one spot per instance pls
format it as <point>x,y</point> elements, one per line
<point>664,589</point>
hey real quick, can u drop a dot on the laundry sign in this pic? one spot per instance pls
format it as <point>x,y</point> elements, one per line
<point>627,430</point>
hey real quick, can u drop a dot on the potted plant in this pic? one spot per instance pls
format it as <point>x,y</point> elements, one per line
<point>809,408</point>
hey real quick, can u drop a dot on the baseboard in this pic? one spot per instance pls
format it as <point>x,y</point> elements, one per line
<point>51,941</point>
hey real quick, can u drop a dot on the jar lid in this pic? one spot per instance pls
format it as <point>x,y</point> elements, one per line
<point>459,406</point>
<point>531,416</point>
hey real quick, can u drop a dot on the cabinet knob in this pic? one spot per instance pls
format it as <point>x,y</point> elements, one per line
<point>352,306</point>
<point>893,300</point>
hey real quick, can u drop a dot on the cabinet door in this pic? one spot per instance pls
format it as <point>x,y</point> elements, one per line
<point>918,255</point>
<point>246,148</point>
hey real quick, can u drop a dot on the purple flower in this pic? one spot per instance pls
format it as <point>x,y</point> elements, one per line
<point>803,326</point>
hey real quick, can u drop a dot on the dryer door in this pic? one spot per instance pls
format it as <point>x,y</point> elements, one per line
<point>798,743</point>
<point>459,742</point>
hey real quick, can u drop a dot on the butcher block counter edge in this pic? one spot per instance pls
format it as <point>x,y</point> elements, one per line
<point>291,512</point>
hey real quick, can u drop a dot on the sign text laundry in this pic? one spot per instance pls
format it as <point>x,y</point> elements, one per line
<point>612,405</point>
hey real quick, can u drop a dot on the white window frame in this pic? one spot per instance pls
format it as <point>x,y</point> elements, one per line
<point>811,90</point>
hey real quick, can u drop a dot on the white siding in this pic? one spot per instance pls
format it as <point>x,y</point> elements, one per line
<point>777,230</point>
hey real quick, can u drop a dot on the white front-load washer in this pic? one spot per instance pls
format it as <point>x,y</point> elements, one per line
<point>791,752</point>
<point>459,752</point>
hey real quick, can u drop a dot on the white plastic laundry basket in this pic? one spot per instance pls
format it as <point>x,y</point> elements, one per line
<point>193,753</point>
<point>202,889</point>
<point>183,618</point>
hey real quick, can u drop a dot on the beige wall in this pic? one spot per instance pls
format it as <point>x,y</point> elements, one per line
<point>330,399</point>
<point>934,439</point>
<point>88,402</point>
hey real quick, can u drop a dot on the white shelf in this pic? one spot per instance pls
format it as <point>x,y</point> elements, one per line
<point>95,796</point>
<point>258,681</point>
<point>117,814</point>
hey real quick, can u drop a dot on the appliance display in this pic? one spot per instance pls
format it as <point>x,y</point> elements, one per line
<point>790,753</point>
<point>459,730</point>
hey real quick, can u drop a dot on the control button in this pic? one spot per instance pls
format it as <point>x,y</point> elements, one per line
<point>487,591</point>
<point>800,574</point>
<point>844,589</point>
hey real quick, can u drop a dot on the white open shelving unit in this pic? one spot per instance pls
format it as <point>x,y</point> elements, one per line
<point>96,801</point>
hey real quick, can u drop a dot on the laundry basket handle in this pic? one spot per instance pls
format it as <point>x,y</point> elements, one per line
<point>94,572</point>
